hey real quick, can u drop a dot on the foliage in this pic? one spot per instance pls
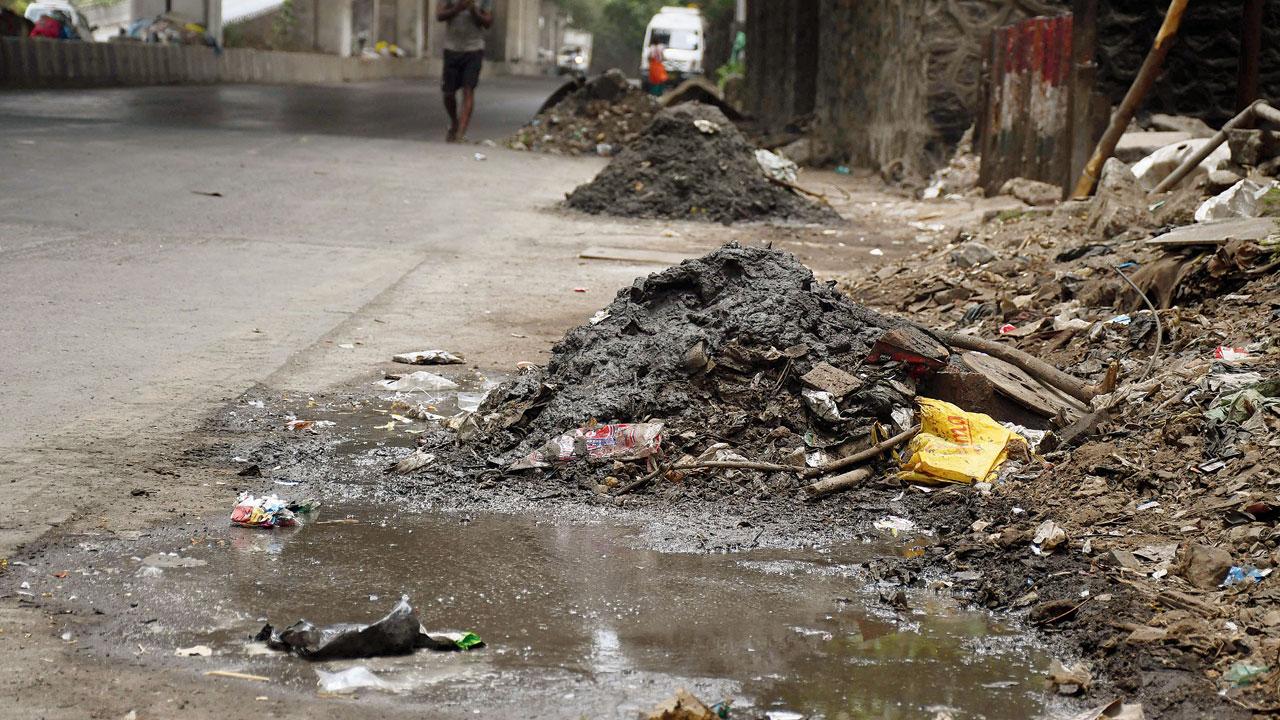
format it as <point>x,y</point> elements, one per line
<point>282,27</point>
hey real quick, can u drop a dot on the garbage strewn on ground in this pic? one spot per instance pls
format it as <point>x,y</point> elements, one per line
<point>398,633</point>
<point>420,381</point>
<point>428,357</point>
<point>1157,491</point>
<point>269,511</point>
<point>620,442</point>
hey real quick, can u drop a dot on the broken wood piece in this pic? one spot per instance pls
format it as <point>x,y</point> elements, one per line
<point>236,675</point>
<point>1084,426</point>
<point>634,255</point>
<point>864,455</point>
<point>913,346</point>
<point>829,378</point>
<point>1018,386</point>
<point>1244,118</point>
<point>830,485</point>
<point>1142,83</point>
<point>1033,366</point>
<point>1217,232</point>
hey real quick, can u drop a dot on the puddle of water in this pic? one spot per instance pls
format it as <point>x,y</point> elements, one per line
<point>576,611</point>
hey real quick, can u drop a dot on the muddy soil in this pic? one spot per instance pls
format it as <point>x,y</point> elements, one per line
<point>587,606</point>
<point>692,163</point>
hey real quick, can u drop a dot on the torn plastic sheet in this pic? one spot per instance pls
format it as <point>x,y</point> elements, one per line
<point>399,633</point>
<point>428,357</point>
<point>421,381</point>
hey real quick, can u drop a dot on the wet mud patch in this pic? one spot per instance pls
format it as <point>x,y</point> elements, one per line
<point>578,617</point>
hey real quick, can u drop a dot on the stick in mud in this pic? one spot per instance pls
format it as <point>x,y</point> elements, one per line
<point>863,456</point>
<point>844,481</point>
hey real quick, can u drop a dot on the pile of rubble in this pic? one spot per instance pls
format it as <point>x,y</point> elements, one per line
<point>738,354</point>
<point>692,163</point>
<point>596,117</point>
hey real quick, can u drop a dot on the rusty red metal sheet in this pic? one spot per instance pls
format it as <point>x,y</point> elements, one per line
<point>1025,129</point>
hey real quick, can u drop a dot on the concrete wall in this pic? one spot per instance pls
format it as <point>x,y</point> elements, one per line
<point>871,92</point>
<point>39,63</point>
<point>892,83</point>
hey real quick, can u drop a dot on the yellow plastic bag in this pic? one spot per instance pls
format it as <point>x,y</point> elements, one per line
<point>955,446</point>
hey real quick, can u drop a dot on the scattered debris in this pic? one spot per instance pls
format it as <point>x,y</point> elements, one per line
<point>428,357</point>
<point>682,706</point>
<point>1068,680</point>
<point>194,651</point>
<point>619,442</point>
<point>420,381</point>
<point>269,511</point>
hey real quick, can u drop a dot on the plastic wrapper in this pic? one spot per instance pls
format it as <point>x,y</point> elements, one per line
<point>955,446</point>
<point>268,511</point>
<point>398,633</point>
<point>428,357</point>
<point>421,381</point>
<point>625,441</point>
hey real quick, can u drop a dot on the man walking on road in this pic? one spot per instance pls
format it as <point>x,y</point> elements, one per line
<point>466,22</point>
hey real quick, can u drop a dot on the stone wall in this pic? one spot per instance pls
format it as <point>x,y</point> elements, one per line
<point>1200,73</point>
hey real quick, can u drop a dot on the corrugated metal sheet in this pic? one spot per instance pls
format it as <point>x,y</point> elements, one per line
<point>1025,128</point>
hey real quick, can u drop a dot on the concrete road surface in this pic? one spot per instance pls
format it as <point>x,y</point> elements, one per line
<point>162,249</point>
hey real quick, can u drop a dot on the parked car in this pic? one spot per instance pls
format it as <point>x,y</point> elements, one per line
<point>64,12</point>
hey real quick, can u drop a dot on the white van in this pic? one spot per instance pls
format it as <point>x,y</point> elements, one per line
<point>682,32</point>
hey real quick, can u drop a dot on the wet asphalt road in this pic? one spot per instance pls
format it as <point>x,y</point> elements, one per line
<point>393,110</point>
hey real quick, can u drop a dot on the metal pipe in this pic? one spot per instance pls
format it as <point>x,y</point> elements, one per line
<point>1266,112</point>
<point>1129,106</point>
<point>1244,118</point>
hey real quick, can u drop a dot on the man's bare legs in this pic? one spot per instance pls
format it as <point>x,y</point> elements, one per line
<point>451,107</point>
<point>468,105</point>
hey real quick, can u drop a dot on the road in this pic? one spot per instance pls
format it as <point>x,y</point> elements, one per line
<point>164,250</point>
<point>137,300</point>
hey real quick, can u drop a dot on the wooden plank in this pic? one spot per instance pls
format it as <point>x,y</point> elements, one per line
<point>1027,103</point>
<point>634,255</point>
<point>1218,232</point>
<point>1019,387</point>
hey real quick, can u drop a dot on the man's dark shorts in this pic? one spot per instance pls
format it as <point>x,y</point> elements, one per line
<point>461,70</point>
